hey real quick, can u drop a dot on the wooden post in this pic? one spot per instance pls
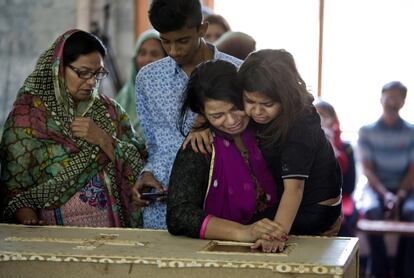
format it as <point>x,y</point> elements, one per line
<point>321,17</point>
<point>83,14</point>
<point>141,17</point>
<point>209,4</point>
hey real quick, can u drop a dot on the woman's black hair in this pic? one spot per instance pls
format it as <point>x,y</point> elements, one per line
<point>81,43</point>
<point>216,80</point>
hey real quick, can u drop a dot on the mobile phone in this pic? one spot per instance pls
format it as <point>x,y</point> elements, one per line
<point>152,196</point>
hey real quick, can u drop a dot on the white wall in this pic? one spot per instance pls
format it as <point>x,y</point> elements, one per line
<point>367,43</point>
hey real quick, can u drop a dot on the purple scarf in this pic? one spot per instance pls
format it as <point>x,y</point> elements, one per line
<point>231,192</point>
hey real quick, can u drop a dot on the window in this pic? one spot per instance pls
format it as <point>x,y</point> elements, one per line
<point>366,44</point>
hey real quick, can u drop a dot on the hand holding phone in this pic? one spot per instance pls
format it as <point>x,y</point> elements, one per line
<point>145,183</point>
<point>153,196</point>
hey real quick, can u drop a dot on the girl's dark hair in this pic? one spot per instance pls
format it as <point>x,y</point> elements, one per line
<point>172,15</point>
<point>274,73</point>
<point>81,43</point>
<point>215,80</point>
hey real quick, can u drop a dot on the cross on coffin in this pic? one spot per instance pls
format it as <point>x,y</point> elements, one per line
<point>85,244</point>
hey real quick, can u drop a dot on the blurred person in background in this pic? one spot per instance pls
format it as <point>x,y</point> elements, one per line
<point>386,148</point>
<point>217,26</point>
<point>237,44</point>
<point>148,49</point>
<point>345,155</point>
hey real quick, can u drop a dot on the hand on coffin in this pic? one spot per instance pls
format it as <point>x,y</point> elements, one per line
<point>269,246</point>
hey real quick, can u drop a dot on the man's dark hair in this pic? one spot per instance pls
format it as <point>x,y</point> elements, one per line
<point>395,85</point>
<point>171,15</point>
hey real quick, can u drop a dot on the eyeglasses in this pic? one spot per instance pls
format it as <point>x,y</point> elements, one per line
<point>99,74</point>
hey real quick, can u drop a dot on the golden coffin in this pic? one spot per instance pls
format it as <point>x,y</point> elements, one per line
<point>52,251</point>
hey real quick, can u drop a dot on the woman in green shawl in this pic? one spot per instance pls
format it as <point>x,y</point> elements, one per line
<point>68,153</point>
<point>147,49</point>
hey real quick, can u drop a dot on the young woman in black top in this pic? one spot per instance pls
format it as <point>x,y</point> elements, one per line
<point>222,195</point>
<point>293,144</point>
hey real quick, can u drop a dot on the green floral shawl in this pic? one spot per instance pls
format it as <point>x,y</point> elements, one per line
<point>44,165</point>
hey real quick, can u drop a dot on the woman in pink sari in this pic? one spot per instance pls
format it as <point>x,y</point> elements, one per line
<point>220,196</point>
